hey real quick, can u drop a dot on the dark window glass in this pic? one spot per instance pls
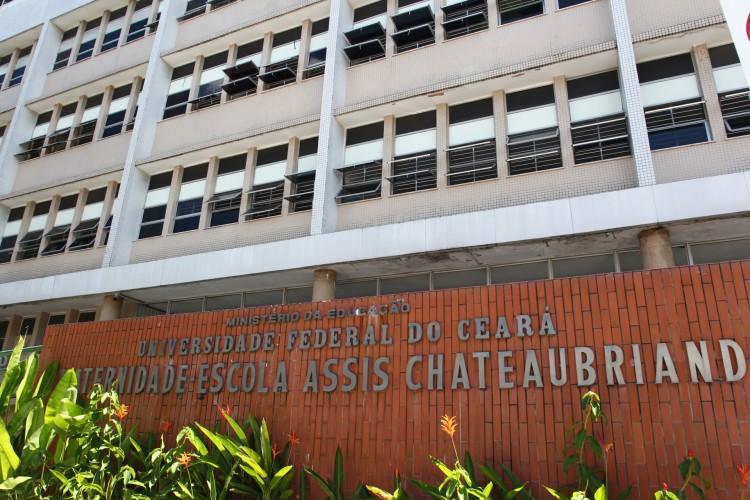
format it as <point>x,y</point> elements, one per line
<point>364,133</point>
<point>680,136</point>
<point>592,85</point>
<point>232,164</point>
<point>665,68</point>
<point>725,55</point>
<point>470,111</point>
<point>272,155</point>
<point>159,181</point>
<point>287,36</point>
<point>195,173</point>
<point>532,98</point>
<point>415,123</point>
<point>370,10</point>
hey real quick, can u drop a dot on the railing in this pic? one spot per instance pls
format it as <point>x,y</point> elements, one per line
<point>735,108</point>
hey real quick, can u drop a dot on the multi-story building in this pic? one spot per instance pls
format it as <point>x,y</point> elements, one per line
<point>162,157</point>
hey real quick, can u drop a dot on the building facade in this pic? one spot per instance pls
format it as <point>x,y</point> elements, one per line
<point>170,157</point>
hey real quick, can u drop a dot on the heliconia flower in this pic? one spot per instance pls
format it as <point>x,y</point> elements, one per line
<point>293,438</point>
<point>275,450</point>
<point>122,411</point>
<point>690,453</point>
<point>185,459</point>
<point>166,426</point>
<point>664,487</point>
<point>224,410</point>
<point>743,472</point>
<point>448,425</point>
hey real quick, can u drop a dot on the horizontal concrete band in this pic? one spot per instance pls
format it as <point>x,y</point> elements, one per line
<point>658,204</point>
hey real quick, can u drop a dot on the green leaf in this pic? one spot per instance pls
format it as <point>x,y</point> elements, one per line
<point>556,494</point>
<point>624,494</point>
<point>493,476</point>
<point>321,482</point>
<point>601,493</point>
<point>26,384</point>
<point>302,487</point>
<point>236,428</point>
<point>8,386</point>
<point>513,493</point>
<point>11,483</point>
<point>698,491</point>
<point>9,460</point>
<point>569,462</point>
<point>44,386</point>
<point>67,381</point>
<point>469,466</point>
<point>279,476</point>
<point>15,356</point>
<point>338,470</point>
<point>383,495</point>
<point>595,445</point>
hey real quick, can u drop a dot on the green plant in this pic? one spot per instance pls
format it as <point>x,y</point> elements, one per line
<point>589,481</point>
<point>690,471</point>
<point>516,487</point>
<point>398,491</point>
<point>332,487</point>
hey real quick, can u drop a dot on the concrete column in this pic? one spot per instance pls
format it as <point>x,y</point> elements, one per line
<point>71,316</point>
<point>135,91</point>
<point>656,248</point>
<point>291,167</point>
<point>389,146</point>
<point>128,19</point>
<point>25,223</point>
<point>129,309</point>
<point>493,14</point>
<point>11,67</point>
<point>441,131</point>
<point>103,112</point>
<point>109,201</point>
<point>248,181</point>
<point>631,93</point>
<point>265,57</point>
<point>77,214</point>
<point>390,46</point>
<point>324,285</point>
<point>705,74</point>
<point>11,334</point>
<point>111,308</point>
<point>40,325</point>
<point>102,32</point>
<point>56,112</point>
<point>501,132</point>
<point>304,48</point>
<point>174,194</point>
<point>196,83</point>
<point>231,61</point>
<point>77,42</point>
<point>563,121</point>
<point>80,108</point>
<point>208,191</point>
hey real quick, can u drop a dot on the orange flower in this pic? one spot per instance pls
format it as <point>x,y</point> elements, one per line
<point>166,426</point>
<point>743,472</point>
<point>224,410</point>
<point>449,425</point>
<point>185,459</point>
<point>293,438</point>
<point>122,411</point>
<point>275,450</point>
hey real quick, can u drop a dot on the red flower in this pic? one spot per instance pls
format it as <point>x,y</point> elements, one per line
<point>293,438</point>
<point>275,450</point>
<point>448,425</point>
<point>691,453</point>
<point>664,487</point>
<point>224,410</point>
<point>166,426</point>
<point>122,411</point>
<point>743,472</point>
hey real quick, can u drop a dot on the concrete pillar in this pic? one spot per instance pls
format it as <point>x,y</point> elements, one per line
<point>129,309</point>
<point>304,48</point>
<point>111,308</point>
<point>389,148</point>
<point>71,316</point>
<point>324,285</point>
<point>37,336</point>
<point>656,248</point>
<point>291,167</point>
<point>705,74</point>
<point>441,131</point>
<point>501,130</point>
<point>563,121</point>
<point>11,334</point>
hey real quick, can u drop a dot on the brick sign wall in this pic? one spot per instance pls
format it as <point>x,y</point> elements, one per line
<point>666,350</point>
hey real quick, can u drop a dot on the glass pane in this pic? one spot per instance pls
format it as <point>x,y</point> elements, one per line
<point>519,272</point>
<point>264,298</point>
<point>296,295</point>
<point>223,302</point>
<point>404,284</point>
<point>458,279</point>
<point>87,317</point>
<point>356,289</point>
<point>581,266</point>
<point>680,256</point>
<point>720,251</point>
<point>185,306</point>
<point>145,310</point>
<point>630,261</point>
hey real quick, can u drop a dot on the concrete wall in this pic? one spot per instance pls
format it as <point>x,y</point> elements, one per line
<point>70,262</point>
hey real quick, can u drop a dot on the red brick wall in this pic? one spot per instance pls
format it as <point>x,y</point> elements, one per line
<point>650,425</point>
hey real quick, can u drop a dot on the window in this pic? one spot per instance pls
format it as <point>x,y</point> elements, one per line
<point>3,324</point>
<point>108,225</point>
<point>193,9</point>
<point>675,113</point>
<point>84,132</point>
<point>84,234</point>
<point>27,326</point>
<point>316,59</point>
<point>153,25</point>
<point>56,319</point>
<point>414,166</point>
<point>28,247</point>
<point>243,76</point>
<point>179,91</point>
<point>4,68</point>
<point>303,181</point>
<point>367,36</point>
<point>211,79</point>
<point>362,173</point>
<point>224,205</point>
<point>86,316</point>
<point>732,86</point>
<point>2,133</point>
<point>66,49</point>
<point>33,147</point>
<point>533,136</point>
<point>155,208</point>
<point>464,16</point>
<point>598,124</point>
<point>23,59</point>
<point>58,140</point>
<point>215,4</point>
<point>267,193</point>
<point>405,284</point>
<point>56,239</point>
<point>115,26</point>
<point>117,110</point>
<point>264,298</point>
<point>415,25</point>
<point>88,41</point>
<point>471,142</point>
<point>515,10</point>
<point>10,234</point>
<point>190,200</point>
<point>131,122</point>
<point>561,4</point>
<point>137,27</point>
<point>282,67</point>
